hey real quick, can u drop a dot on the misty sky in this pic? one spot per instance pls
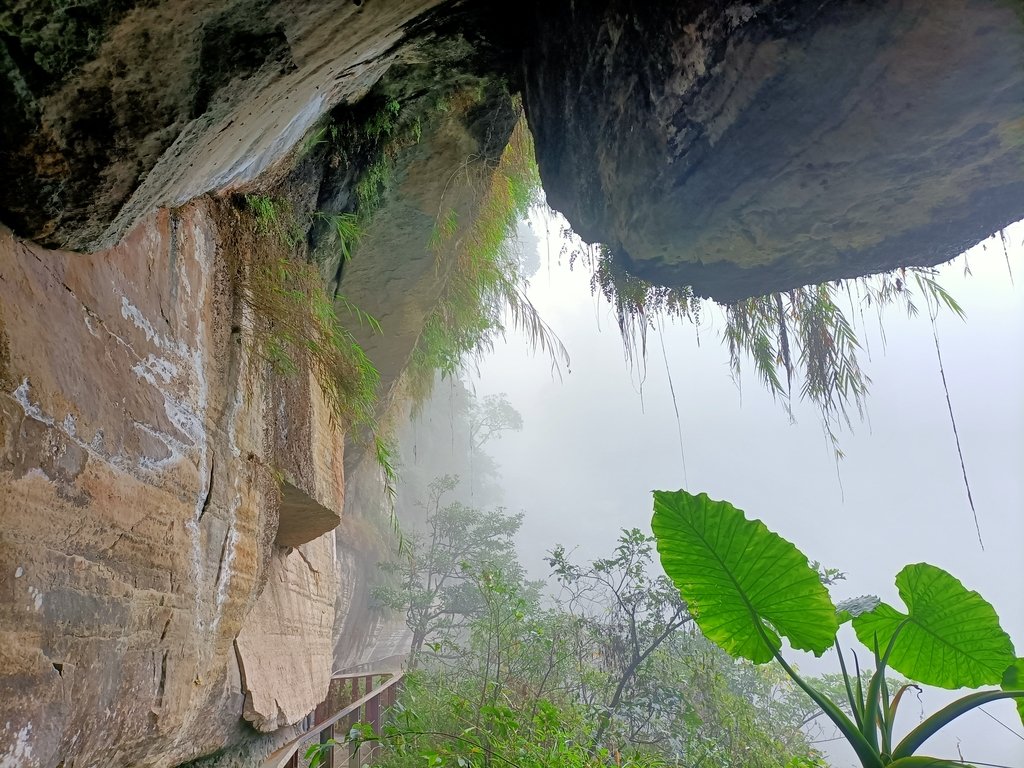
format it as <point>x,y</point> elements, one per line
<point>592,449</point>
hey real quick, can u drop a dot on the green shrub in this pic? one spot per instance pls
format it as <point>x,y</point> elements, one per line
<point>346,228</point>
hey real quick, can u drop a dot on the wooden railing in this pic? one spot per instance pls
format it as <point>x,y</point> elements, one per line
<point>351,699</point>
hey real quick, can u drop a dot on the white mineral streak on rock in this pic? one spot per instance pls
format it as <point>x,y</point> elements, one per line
<point>197,376</point>
<point>230,547</point>
<point>18,754</point>
<point>32,410</point>
<point>154,367</point>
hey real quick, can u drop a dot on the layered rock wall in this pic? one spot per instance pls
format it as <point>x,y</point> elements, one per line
<point>139,501</point>
<point>168,500</point>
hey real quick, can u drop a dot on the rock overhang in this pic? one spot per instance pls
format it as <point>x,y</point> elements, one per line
<point>748,148</point>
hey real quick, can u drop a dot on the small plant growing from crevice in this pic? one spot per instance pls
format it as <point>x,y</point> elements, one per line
<point>747,587</point>
<point>383,124</point>
<point>346,228</point>
<point>374,183</point>
<point>370,145</point>
<point>276,218</point>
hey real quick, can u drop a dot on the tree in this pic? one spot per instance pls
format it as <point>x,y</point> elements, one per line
<point>436,584</point>
<point>525,680</point>
<point>490,417</point>
<point>628,613</point>
<point>488,420</point>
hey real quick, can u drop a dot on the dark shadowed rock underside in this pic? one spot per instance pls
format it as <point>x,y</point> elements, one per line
<point>744,148</point>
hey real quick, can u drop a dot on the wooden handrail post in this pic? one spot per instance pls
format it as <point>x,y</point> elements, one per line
<point>326,735</point>
<point>373,717</point>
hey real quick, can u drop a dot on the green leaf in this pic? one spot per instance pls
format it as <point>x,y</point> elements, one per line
<point>939,720</point>
<point>950,636</point>
<point>1013,680</point>
<point>744,584</point>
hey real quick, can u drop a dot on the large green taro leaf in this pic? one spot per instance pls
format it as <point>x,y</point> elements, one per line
<point>1013,680</point>
<point>950,638</point>
<point>744,584</point>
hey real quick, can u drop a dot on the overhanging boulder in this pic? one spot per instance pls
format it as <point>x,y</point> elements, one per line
<point>744,148</point>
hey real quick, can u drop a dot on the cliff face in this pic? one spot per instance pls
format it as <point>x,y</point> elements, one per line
<point>116,109</point>
<point>173,580</point>
<point>140,505</point>
<point>744,148</point>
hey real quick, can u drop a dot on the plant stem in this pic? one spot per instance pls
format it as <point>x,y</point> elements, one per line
<point>945,716</point>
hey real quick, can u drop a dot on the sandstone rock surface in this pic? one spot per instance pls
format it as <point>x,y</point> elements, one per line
<point>138,506</point>
<point>285,646</point>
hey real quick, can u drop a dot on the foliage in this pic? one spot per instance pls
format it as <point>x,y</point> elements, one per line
<point>371,187</point>
<point>293,324</point>
<point>367,143</point>
<point>525,685</point>
<point>485,282</point>
<point>437,580</point>
<point>711,551</point>
<point>276,219</point>
<point>638,303</point>
<point>346,228</point>
<point>489,418</point>
<point>702,705</point>
<point>382,125</point>
<point>628,614</point>
<point>725,566</point>
<point>802,336</point>
<point>324,133</point>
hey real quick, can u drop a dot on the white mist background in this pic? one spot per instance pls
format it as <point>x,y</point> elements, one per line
<point>597,441</point>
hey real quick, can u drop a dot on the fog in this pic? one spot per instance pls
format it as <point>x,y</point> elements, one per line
<point>599,438</point>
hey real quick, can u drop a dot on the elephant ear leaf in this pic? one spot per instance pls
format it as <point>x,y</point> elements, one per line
<point>950,636</point>
<point>745,585</point>
<point>1013,680</point>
